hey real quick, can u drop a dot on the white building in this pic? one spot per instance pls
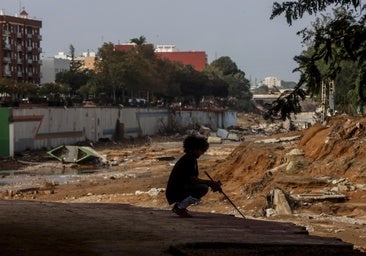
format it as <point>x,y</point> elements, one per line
<point>62,55</point>
<point>272,81</point>
<point>166,48</point>
<point>51,66</point>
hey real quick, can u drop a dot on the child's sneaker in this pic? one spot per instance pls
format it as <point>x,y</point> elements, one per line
<point>183,213</point>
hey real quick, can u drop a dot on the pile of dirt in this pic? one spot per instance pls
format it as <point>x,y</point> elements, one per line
<point>325,162</point>
<point>330,159</point>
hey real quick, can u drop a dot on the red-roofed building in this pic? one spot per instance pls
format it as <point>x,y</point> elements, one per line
<point>197,59</point>
<point>124,47</point>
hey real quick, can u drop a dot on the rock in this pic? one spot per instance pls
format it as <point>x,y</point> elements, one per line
<point>280,201</point>
<point>277,200</point>
<point>270,212</point>
<point>296,152</point>
<point>48,192</point>
<point>233,137</point>
<point>214,140</point>
<point>294,167</point>
<point>222,133</point>
<point>205,131</point>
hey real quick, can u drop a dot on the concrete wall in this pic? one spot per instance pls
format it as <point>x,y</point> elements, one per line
<point>39,128</point>
<point>211,119</point>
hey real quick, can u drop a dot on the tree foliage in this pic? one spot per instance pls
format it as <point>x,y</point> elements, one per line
<point>333,39</point>
<point>294,10</point>
<point>225,68</point>
<point>75,64</point>
<point>75,79</point>
<point>138,73</point>
<point>17,90</point>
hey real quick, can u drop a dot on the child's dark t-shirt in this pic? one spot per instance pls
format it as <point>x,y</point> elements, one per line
<point>182,172</point>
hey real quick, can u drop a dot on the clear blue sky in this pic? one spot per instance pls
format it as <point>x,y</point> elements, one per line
<point>240,29</point>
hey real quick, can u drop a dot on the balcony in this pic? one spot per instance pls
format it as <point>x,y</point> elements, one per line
<point>7,46</point>
<point>6,59</point>
<point>20,74</point>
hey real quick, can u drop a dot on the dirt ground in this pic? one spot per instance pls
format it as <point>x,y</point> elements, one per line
<point>329,161</point>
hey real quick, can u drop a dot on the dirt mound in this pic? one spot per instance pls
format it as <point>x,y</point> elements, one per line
<point>338,149</point>
<point>320,160</point>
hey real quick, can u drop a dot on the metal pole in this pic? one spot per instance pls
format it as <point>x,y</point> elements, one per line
<point>323,106</point>
<point>331,97</point>
<point>222,192</point>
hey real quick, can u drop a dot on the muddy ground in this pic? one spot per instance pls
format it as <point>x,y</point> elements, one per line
<point>321,170</point>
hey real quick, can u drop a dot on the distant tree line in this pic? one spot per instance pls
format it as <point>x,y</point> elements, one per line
<point>138,77</point>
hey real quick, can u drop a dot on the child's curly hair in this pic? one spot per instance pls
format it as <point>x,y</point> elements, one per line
<point>195,142</point>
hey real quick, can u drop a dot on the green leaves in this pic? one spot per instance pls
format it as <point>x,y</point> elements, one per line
<point>286,104</point>
<point>332,41</point>
<point>294,10</point>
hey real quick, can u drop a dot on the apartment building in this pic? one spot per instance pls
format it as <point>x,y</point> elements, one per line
<point>87,60</point>
<point>272,81</point>
<point>20,48</point>
<point>51,66</point>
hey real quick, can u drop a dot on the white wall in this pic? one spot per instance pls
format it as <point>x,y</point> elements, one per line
<point>37,128</point>
<point>211,119</point>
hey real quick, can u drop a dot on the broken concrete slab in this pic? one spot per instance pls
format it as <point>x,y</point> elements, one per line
<point>309,198</point>
<point>214,140</point>
<point>296,152</point>
<point>233,137</point>
<point>277,200</point>
<point>277,140</point>
<point>222,133</point>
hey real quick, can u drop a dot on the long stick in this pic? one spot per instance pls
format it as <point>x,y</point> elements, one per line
<point>222,192</point>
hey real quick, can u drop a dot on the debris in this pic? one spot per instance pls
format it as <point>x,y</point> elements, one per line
<point>276,140</point>
<point>233,137</point>
<point>214,140</point>
<point>151,192</point>
<point>296,152</point>
<point>205,131</point>
<point>73,154</point>
<point>222,133</point>
<point>278,201</point>
<point>310,198</point>
<point>278,168</point>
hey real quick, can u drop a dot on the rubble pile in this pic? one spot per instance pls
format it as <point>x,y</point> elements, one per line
<point>322,163</point>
